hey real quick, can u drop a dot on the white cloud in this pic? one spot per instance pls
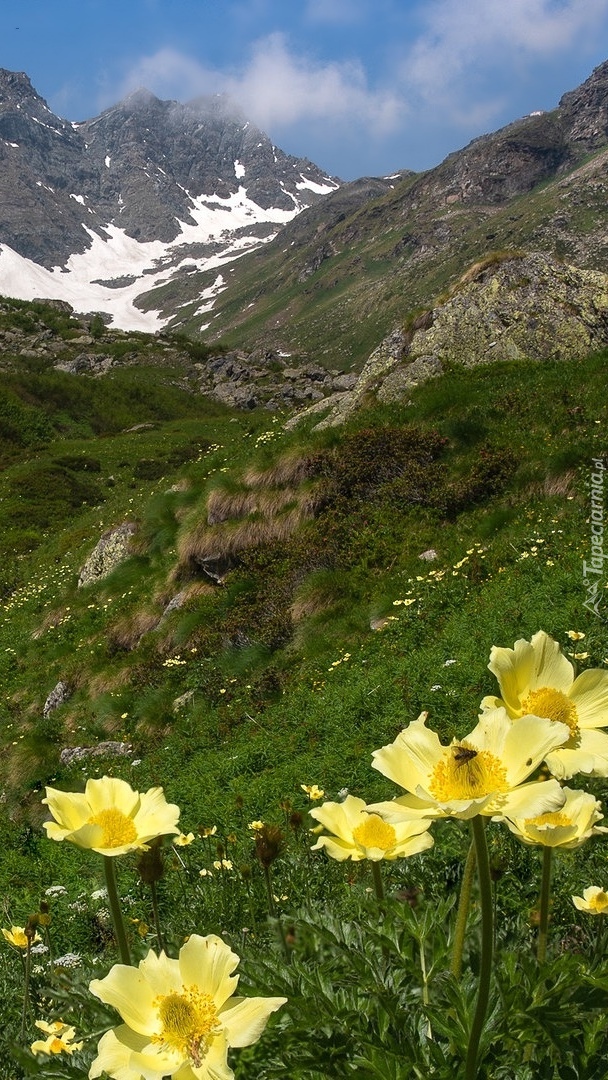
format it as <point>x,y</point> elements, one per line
<point>276,87</point>
<point>463,39</point>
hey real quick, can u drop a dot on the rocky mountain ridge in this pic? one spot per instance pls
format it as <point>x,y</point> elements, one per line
<point>146,188</point>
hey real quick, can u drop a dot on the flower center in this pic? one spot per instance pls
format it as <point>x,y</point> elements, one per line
<point>56,1046</point>
<point>599,902</point>
<point>117,828</point>
<point>465,773</point>
<point>189,1022</point>
<point>556,820</point>
<point>552,704</point>
<point>375,833</point>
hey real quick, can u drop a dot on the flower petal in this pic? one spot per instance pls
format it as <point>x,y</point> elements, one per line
<point>128,991</point>
<point>529,800</point>
<point>590,695</point>
<point>155,816</point>
<point>114,1055</point>
<point>207,962</point>
<point>110,791</point>
<point>70,810</point>
<point>589,755</point>
<point>409,761</point>
<point>246,1018</point>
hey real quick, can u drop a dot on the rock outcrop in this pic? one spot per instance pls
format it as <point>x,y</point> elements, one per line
<point>507,307</point>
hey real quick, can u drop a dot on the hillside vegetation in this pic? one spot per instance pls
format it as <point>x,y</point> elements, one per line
<point>291,600</point>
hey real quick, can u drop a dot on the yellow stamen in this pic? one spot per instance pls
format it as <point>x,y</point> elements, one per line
<point>375,833</point>
<point>465,773</point>
<point>557,819</point>
<point>599,902</point>
<point>56,1046</point>
<point>554,705</point>
<point>118,829</point>
<point>189,1022</point>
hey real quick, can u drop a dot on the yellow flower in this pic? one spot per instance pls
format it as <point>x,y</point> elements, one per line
<point>568,827</point>
<point>110,817</point>
<point>358,834</point>
<point>535,677</point>
<point>16,936</point>
<point>179,1015</point>
<point>59,1039</point>
<point>594,901</point>
<point>256,825</point>
<point>183,840</point>
<point>313,791</point>
<point>575,635</point>
<point>482,774</point>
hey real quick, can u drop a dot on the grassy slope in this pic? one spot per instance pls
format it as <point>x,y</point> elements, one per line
<point>287,683</point>
<point>290,706</point>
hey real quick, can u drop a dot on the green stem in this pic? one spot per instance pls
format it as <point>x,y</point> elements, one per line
<point>487,939</point>
<point>159,936</point>
<point>545,900</point>
<point>115,909</point>
<point>425,978</point>
<point>378,883</point>
<point>26,988</point>
<point>462,915</point>
<point>271,904</point>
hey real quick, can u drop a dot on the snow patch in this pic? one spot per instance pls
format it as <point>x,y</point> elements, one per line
<point>239,170</point>
<point>107,160</point>
<point>320,189</point>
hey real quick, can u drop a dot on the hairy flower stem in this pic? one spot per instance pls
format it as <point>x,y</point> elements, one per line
<point>378,883</point>
<point>159,934</point>
<point>26,987</point>
<point>545,900</point>
<point>271,904</point>
<point>487,941</point>
<point>462,915</point>
<point>115,909</point>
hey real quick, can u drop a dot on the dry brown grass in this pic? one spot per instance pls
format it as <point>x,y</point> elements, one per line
<point>107,681</point>
<point>491,260</point>
<point>314,603</point>
<point>225,506</point>
<point>292,469</point>
<point>563,485</point>
<point>222,543</point>
<point>127,633</point>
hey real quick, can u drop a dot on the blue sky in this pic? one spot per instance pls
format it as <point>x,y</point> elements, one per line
<point>361,87</point>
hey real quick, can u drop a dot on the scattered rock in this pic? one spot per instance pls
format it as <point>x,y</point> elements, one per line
<point>71,754</point>
<point>58,695</point>
<point>113,548</point>
<point>429,555</point>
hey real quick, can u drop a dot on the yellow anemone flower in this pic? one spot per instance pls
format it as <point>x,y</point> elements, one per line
<point>59,1039</point>
<point>567,828</point>
<point>17,936</point>
<point>594,901</point>
<point>184,839</point>
<point>179,1015</point>
<point>110,817</point>
<point>359,834</point>
<point>313,791</point>
<point>535,677</point>
<point>482,774</point>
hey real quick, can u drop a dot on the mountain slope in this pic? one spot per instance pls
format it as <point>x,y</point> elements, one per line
<point>146,188</point>
<point>539,184</point>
